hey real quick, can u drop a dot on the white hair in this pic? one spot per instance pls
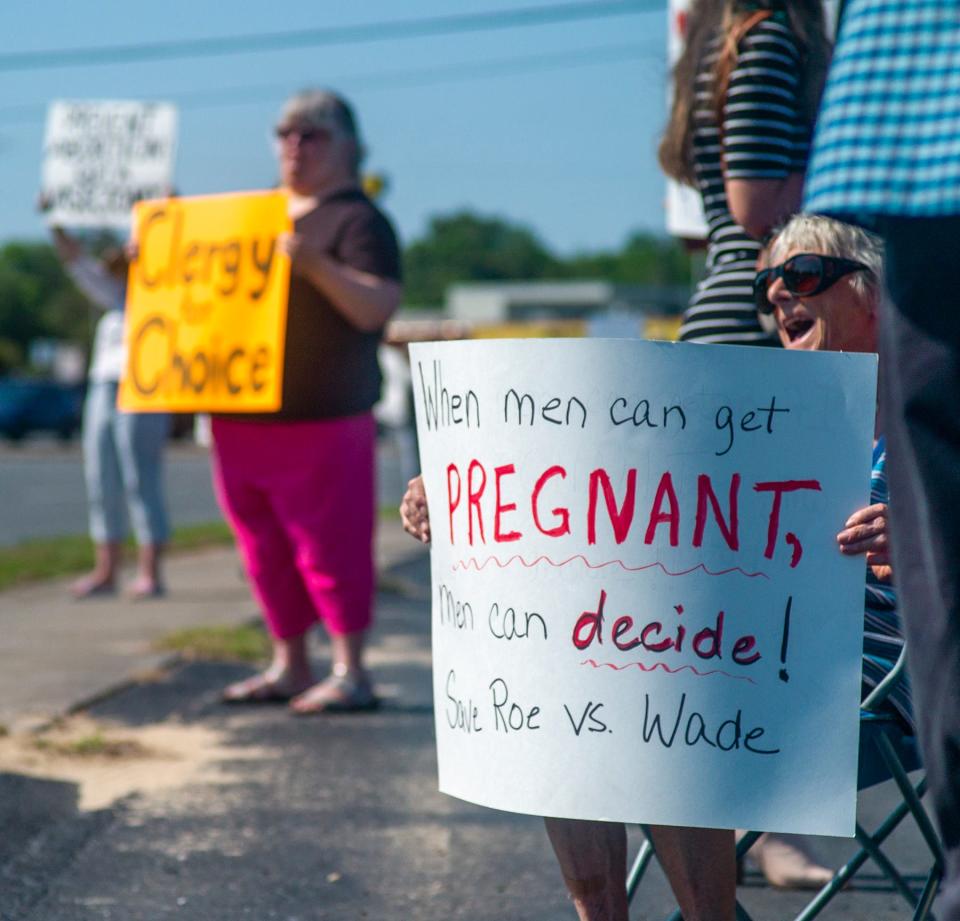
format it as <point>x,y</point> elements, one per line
<point>816,233</point>
<point>320,107</point>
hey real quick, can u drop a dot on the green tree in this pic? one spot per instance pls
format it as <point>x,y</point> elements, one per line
<point>465,246</point>
<point>37,300</point>
<point>468,247</point>
<point>644,259</point>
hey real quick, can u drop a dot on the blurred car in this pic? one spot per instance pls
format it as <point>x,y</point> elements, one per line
<point>28,406</point>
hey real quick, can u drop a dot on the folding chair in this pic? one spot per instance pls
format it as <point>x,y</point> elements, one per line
<point>881,734</point>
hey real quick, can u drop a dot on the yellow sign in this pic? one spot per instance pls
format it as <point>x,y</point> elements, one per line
<point>207,305</point>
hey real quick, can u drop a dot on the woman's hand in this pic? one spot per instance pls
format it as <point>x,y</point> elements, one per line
<point>866,532</point>
<point>414,512</point>
<point>304,253</point>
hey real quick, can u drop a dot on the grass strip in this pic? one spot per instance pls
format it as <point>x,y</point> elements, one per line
<point>54,557</point>
<point>242,643</point>
<point>92,745</point>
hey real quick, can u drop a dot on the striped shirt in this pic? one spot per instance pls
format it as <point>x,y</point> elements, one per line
<point>888,138</point>
<point>882,633</point>
<point>763,137</point>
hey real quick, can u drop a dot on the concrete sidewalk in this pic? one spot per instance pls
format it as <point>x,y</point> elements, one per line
<point>181,806</point>
<point>59,653</point>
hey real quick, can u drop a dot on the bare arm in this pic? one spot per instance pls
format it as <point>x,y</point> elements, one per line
<point>764,151</point>
<point>759,205</point>
<point>96,284</point>
<point>68,249</point>
<point>365,300</point>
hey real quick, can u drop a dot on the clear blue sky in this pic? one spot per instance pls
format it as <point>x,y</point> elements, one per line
<point>567,147</point>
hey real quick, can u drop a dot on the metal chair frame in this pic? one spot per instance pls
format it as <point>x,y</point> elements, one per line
<point>881,724</point>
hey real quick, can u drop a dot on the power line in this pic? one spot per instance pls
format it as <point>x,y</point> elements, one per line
<point>333,35</point>
<point>32,113</point>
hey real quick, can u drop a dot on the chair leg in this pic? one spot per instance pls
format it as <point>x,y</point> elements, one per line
<point>912,796</point>
<point>870,845</point>
<point>850,868</point>
<point>639,868</point>
<point>747,842</point>
<point>840,879</point>
<point>925,902</point>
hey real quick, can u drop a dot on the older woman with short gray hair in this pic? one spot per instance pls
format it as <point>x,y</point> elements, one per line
<point>298,485</point>
<point>822,289</point>
<point>828,237</point>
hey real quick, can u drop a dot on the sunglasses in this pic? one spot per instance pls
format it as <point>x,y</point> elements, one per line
<point>804,275</point>
<point>305,135</point>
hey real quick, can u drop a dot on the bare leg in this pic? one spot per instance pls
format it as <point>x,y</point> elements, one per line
<point>148,581</point>
<point>348,687</point>
<point>103,576</point>
<point>289,674</point>
<point>348,651</point>
<point>291,663</point>
<point>593,861</point>
<point>701,866</point>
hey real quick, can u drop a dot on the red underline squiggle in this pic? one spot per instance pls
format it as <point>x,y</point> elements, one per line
<point>666,668</point>
<point>474,563</point>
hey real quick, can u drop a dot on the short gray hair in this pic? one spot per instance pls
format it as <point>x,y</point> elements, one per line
<point>819,234</point>
<point>319,108</point>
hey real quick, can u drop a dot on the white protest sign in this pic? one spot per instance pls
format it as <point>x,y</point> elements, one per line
<point>102,157</point>
<point>639,609</point>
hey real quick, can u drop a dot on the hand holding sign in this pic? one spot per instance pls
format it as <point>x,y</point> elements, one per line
<point>302,251</point>
<point>414,513</point>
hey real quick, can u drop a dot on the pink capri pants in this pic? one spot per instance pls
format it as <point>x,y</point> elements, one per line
<point>300,499</point>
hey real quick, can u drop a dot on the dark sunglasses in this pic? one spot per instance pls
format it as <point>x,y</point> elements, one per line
<point>305,135</point>
<point>804,275</point>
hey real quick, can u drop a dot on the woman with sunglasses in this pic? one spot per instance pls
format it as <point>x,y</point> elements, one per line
<point>298,485</point>
<point>822,290</point>
<point>745,96</point>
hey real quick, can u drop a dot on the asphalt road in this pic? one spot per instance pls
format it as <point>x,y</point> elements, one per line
<point>319,819</point>
<point>42,492</point>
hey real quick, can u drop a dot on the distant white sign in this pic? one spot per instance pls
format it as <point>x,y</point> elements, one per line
<point>102,156</point>
<point>639,609</point>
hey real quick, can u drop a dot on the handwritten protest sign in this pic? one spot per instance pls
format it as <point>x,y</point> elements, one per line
<point>207,305</point>
<point>101,157</point>
<point>639,609</point>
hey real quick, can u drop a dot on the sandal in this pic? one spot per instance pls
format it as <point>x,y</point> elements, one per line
<point>258,689</point>
<point>144,590</point>
<point>340,692</point>
<point>92,587</point>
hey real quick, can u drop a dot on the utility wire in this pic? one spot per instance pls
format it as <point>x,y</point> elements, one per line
<point>32,113</point>
<point>333,35</point>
